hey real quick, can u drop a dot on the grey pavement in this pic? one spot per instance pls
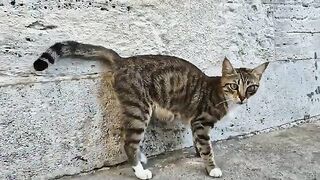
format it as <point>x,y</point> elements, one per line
<point>288,154</point>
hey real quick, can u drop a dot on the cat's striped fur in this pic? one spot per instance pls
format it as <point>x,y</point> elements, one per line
<point>168,88</point>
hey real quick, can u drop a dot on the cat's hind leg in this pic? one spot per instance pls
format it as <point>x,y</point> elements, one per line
<point>134,134</point>
<point>143,158</point>
<point>136,114</point>
<point>136,119</point>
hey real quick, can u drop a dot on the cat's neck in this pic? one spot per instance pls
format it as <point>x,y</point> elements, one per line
<point>215,95</point>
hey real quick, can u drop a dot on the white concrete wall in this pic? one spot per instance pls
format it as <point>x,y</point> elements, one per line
<point>51,124</point>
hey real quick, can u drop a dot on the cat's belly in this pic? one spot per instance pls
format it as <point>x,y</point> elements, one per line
<point>164,114</point>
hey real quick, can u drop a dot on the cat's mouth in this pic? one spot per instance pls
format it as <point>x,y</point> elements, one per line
<point>242,102</point>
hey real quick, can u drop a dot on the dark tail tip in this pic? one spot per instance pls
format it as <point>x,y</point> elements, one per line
<point>40,65</point>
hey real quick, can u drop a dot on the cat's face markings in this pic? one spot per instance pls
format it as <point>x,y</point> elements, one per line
<point>239,84</point>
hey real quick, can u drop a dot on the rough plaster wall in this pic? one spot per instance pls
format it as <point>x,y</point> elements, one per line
<point>53,123</point>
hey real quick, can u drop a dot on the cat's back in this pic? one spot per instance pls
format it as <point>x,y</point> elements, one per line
<point>149,64</point>
<point>167,81</point>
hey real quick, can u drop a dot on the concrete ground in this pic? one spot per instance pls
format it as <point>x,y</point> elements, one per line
<point>285,154</point>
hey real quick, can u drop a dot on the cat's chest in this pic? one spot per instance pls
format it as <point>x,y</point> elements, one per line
<point>232,111</point>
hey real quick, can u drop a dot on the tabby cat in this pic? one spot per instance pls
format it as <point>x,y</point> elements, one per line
<point>168,88</point>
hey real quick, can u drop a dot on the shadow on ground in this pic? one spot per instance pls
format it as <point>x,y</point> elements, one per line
<point>286,154</point>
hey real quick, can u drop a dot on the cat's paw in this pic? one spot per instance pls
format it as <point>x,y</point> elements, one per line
<point>215,172</point>
<point>143,174</point>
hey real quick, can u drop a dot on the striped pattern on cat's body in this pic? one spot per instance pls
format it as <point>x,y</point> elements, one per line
<point>167,88</point>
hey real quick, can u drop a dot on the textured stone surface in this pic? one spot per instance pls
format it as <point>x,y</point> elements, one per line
<point>53,123</point>
<point>297,33</point>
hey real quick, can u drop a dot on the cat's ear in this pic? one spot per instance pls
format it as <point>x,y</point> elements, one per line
<point>258,71</point>
<point>227,68</point>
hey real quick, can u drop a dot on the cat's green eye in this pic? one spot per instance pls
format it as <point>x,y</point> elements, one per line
<point>233,86</point>
<point>252,88</point>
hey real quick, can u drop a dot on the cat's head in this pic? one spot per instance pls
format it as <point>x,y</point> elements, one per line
<point>239,84</point>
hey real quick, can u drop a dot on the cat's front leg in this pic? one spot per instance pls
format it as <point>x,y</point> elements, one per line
<point>201,136</point>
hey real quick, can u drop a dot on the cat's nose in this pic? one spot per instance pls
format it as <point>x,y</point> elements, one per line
<point>242,98</point>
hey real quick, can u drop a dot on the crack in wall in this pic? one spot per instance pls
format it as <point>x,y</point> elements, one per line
<point>42,79</point>
<point>303,32</point>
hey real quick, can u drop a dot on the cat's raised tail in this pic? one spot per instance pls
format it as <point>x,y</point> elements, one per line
<point>77,50</point>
